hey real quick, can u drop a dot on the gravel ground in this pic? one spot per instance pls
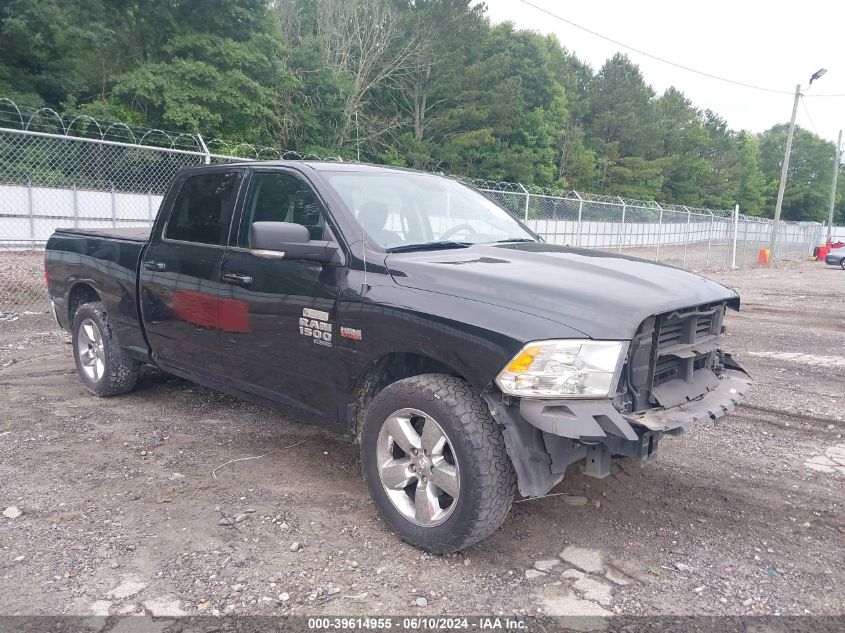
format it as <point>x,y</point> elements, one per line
<point>117,503</point>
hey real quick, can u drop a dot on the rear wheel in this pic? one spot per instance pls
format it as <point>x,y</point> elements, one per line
<point>435,463</point>
<point>842,263</point>
<point>104,368</point>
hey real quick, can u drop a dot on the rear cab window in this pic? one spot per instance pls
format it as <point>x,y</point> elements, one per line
<point>202,210</point>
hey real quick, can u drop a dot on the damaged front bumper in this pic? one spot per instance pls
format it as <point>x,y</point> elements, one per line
<point>732,389</point>
<point>543,437</point>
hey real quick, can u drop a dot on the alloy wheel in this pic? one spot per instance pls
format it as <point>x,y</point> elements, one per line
<point>89,347</point>
<point>417,467</point>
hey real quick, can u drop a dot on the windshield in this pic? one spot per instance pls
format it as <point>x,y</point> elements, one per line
<point>401,210</point>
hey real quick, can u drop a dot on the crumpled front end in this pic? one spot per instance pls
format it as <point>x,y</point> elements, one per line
<point>675,376</point>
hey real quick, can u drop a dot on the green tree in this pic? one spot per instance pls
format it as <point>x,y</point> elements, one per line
<point>750,196</point>
<point>623,129</point>
<point>507,121</point>
<point>430,90</point>
<point>720,185</point>
<point>577,163</point>
<point>44,50</point>
<point>808,182</point>
<point>222,74</point>
<point>684,142</point>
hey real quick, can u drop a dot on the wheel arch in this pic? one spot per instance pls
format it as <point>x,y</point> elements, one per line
<point>384,370</point>
<point>81,292</point>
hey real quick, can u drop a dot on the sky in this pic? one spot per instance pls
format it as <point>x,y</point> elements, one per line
<point>771,44</point>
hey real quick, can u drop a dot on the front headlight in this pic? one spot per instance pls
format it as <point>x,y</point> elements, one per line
<point>564,369</point>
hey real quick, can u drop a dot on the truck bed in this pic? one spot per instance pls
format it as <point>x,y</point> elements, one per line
<point>128,234</point>
<point>106,260</point>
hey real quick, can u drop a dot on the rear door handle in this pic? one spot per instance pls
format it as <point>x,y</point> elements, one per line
<point>237,280</point>
<point>155,265</point>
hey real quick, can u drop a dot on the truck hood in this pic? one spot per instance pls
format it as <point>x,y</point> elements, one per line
<point>604,296</point>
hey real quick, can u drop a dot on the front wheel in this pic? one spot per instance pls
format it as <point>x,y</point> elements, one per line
<point>104,368</point>
<point>435,463</point>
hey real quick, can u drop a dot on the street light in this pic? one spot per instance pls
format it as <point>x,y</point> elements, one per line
<point>785,169</point>
<point>816,75</point>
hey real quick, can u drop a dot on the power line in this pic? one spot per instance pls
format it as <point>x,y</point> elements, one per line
<point>804,103</point>
<point>667,61</point>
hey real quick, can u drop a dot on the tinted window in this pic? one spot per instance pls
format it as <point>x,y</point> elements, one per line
<point>279,197</point>
<point>203,208</point>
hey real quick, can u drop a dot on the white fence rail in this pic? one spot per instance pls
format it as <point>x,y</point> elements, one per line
<point>29,215</point>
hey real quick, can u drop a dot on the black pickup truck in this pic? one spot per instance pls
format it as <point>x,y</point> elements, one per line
<point>407,312</point>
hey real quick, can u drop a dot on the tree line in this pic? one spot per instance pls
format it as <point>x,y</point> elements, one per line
<point>425,83</point>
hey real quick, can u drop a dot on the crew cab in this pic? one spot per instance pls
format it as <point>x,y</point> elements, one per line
<point>409,313</point>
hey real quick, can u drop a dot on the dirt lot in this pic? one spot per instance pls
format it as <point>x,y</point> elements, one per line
<point>121,498</point>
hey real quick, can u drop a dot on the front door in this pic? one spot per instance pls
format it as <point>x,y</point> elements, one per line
<point>180,273</point>
<point>278,316</point>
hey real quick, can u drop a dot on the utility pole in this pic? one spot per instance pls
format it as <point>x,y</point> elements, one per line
<point>837,160</point>
<point>785,170</point>
<point>783,174</point>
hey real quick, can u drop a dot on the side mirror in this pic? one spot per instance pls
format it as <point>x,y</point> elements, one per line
<point>275,236</point>
<point>288,240</point>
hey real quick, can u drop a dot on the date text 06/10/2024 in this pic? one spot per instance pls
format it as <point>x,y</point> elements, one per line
<point>417,623</point>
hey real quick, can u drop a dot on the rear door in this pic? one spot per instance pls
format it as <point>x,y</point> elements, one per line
<point>278,316</point>
<point>180,271</point>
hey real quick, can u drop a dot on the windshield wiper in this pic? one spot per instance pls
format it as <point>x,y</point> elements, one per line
<point>516,239</point>
<point>425,246</point>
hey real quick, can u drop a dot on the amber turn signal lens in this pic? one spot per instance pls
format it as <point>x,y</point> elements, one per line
<point>523,360</point>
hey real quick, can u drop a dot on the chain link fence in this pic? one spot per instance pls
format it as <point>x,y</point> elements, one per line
<point>78,172</point>
<point>691,238</point>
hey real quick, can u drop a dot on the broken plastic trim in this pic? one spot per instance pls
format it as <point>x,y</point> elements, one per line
<point>732,388</point>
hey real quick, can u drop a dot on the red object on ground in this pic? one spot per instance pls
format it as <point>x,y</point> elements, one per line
<point>822,253</point>
<point>763,257</point>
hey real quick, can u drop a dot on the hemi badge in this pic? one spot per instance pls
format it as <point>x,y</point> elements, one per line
<point>350,333</point>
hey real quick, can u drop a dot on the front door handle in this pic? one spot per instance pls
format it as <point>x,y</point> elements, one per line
<point>237,280</point>
<point>154,265</point>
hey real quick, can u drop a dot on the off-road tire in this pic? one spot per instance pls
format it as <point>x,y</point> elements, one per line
<point>120,372</point>
<point>487,477</point>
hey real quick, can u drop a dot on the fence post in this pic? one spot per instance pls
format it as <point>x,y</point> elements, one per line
<point>31,210</point>
<point>659,233</point>
<point>686,237</point>
<point>580,214</point>
<point>709,239</point>
<point>113,208</point>
<point>622,228</point>
<point>75,208</point>
<point>204,149</point>
<point>736,232</point>
<point>150,205</point>
<point>527,198</point>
